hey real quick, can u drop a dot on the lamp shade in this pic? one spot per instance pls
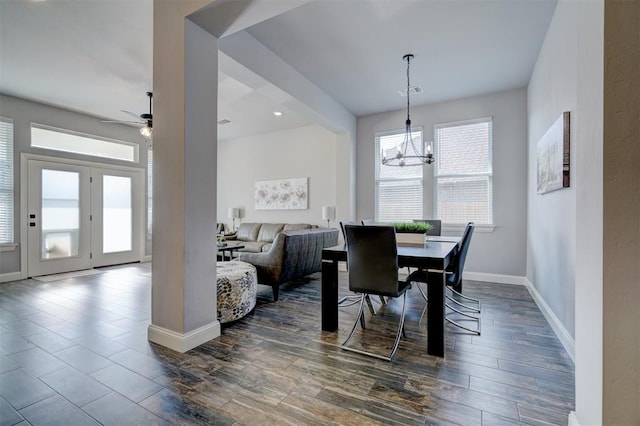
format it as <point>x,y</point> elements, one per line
<point>233,213</point>
<point>328,213</point>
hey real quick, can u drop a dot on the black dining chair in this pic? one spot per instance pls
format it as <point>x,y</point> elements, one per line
<point>372,260</point>
<point>351,299</point>
<point>454,285</point>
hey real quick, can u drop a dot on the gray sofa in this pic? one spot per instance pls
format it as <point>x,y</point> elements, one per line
<point>293,254</point>
<point>258,237</point>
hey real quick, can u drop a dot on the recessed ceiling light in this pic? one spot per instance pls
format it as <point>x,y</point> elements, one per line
<point>277,113</point>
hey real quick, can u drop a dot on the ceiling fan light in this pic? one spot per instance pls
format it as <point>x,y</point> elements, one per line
<point>146,131</point>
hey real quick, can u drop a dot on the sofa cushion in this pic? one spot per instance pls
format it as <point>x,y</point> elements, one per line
<point>296,226</point>
<point>268,232</point>
<point>248,232</point>
<point>252,246</point>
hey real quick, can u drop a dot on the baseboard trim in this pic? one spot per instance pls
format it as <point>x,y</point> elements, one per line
<point>10,276</point>
<point>494,278</point>
<point>183,342</point>
<point>573,419</point>
<point>146,258</point>
<point>555,323</point>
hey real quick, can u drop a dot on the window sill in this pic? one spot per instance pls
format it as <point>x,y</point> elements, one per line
<point>461,227</point>
<point>8,247</point>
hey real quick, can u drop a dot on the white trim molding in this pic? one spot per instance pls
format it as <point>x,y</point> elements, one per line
<point>180,342</point>
<point>555,323</point>
<point>10,276</point>
<point>494,278</point>
<point>8,247</point>
<point>573,419</point>
<point>146,258</point>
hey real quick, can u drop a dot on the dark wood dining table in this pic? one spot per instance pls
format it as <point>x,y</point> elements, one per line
<point>434,257</point>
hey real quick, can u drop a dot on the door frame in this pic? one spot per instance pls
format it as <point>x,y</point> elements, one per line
<point>24,196</point>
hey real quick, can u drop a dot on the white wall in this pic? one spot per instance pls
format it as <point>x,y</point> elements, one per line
<point>551,254</point>
<point>565,227</point>
<point>23,113</point>
<point>303,152</point>
<point>503,250</point>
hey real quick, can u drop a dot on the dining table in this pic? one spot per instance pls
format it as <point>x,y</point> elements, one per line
<point>434,257</point>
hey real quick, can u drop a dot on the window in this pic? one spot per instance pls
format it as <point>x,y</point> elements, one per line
<point>6,181</point>
<point>399,190</point>
<point>149,190</point>
<point>463,173</point>
<point>78,143</point>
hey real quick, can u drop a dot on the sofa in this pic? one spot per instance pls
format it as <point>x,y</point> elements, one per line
<point>292,254</point>
<point>258,237</point>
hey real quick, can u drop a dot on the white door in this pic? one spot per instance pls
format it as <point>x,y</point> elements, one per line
<point>117,221</point>
<point>59,202</point>
<point>82,216</point>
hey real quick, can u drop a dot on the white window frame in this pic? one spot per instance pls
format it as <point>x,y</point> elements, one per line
<point>7,171</point>
<point>134,146</point>
<point>488,227</point>
<point>378,165</point>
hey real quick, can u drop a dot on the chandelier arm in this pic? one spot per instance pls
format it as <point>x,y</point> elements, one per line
<point>417,156</point>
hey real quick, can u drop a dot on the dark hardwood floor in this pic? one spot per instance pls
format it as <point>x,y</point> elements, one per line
<point>74,351</point>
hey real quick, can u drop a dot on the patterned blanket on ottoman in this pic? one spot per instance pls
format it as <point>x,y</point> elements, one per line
<point>237,285</point>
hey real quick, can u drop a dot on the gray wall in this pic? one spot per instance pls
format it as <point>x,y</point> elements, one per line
<point>23,113</point>
<point>551,254</point>
<point>302,152</point>
<point>503,250</point>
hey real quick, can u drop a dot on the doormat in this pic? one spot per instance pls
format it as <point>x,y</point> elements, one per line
<point>74,274</point>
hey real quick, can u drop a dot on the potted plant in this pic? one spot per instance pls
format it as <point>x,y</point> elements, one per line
<point>411,233</point>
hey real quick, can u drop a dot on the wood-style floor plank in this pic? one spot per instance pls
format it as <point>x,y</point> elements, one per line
<point>276,367</point>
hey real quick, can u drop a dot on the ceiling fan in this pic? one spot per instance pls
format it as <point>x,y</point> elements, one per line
<point>145,119</point>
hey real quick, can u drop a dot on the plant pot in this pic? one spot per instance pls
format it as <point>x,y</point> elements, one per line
<point>410,239</point>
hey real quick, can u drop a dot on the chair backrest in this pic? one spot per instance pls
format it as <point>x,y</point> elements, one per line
<point>368,222</point>
<point>372,259</point>
<point>436,226</point>
<point>457,266</point>
<point>346,222</point>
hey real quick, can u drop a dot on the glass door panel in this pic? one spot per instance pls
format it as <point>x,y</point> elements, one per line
<point>117,203</point>
<point>59,231</point>
<point>60,218</point>
<point>117,214</point>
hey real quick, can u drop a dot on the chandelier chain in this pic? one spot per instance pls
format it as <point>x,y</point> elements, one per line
<point>408,86</point>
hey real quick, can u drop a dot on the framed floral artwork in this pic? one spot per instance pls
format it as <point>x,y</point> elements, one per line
<point>282,194</point>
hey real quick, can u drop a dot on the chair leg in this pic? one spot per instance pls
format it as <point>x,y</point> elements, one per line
<point>468,317</point>
<point>463,306</point>
<point>367,298</point>
<point>399,334</point>
<point>471,299</point>
<point>358,319</point>
<point>421,290</point>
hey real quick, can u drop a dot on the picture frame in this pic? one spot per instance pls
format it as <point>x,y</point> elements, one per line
<point>282,194</point>
<point>553,156</point>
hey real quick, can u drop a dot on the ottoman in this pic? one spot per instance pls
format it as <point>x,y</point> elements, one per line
<point>237,285</point>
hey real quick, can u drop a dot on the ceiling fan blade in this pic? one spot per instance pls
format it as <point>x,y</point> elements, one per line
<point>122,122</point>
<point>131,113</point>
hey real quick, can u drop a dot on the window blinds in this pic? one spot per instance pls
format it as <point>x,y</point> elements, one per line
<point>399,190</point>
<point>463,172</point>
<point>6,181</point>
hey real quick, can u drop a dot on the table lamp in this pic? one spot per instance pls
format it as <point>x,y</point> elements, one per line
<point>328,214</point>
<point>233,213</point>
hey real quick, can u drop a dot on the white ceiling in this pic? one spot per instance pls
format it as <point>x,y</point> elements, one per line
<point>96,56</point>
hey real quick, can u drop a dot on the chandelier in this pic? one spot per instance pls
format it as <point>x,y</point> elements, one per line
<point>409,152</point>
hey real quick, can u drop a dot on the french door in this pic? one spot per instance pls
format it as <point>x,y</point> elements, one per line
<point>82,216</point>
